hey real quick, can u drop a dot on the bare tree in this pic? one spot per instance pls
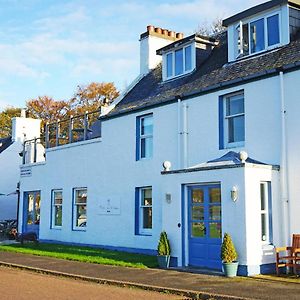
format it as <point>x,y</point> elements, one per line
<point>210,29</point>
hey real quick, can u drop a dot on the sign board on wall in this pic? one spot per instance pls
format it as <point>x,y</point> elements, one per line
<point>25,172</point>
<point>109,207</point>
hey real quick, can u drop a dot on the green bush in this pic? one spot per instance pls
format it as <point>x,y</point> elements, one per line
<point>228,252</point>
<point>163,247</point>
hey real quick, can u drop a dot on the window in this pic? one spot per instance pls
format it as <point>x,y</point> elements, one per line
<point>265,212</point>
<point>234,120</point>
<point>179,62</point>
<point>262,34</point>
<point>294,20</point>
<point>144,210</point>
<point>79,212</point>
<point>57,202</point>
<point>144,137</point>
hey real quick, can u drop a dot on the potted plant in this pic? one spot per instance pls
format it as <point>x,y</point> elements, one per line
<point>163,251</point>
<point>229,256</point>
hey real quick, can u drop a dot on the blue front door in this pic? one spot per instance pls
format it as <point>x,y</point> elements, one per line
<point>205,233</point>
<point>31,219</point>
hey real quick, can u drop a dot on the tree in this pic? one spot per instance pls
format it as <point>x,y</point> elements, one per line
<point>5,120</point>
<point>211,29</point>
<point>47,109</point>
<point>92,96</point>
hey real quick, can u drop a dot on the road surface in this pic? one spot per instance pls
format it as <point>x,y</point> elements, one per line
<point>20,285</point>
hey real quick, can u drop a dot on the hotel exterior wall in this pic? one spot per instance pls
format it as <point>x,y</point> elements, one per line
<point>108,168</point>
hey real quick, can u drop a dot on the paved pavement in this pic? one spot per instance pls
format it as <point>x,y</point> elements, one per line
<point>184,283</point>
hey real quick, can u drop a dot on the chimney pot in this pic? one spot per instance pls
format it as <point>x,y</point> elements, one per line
<point>158,30</point>
<point>171,33</point>
<point>179,35</point>
<point>150,28</point>
<point>165,31</point>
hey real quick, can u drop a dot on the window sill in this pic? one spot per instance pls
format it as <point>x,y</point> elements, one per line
<point>56,228</point>
<point>267,246</point>
<point>234,145</point>
<point>78,229</point>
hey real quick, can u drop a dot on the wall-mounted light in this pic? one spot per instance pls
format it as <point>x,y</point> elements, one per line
<point>167,166</point>
<point>234,193</point>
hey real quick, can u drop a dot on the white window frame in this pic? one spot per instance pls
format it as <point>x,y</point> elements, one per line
<point>53,206</point>
<point>144,136</point>
<point>165,61</point>
<point>239,52</point>
<point>142,230</point>
<point>75,204</point>
<point>226,118</point>
<point>265,213</point>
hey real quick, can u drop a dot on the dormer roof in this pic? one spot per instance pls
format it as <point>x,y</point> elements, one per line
<point>199,39</point>
<point>258,9</point>
<point>214,73</point>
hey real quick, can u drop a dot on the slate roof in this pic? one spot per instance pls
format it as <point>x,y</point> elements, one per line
<point>212,73</point>
<point>230,160</point>
<point>5,143</point>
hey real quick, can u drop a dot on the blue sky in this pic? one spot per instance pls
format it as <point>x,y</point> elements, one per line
<point>48,47</point>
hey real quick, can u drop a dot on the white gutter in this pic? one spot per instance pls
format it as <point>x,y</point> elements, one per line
<point>185,135</point>
<point>179,134</point>
<point>284,167</point>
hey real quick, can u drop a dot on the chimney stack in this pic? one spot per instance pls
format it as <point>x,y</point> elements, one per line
<point>150,41</point>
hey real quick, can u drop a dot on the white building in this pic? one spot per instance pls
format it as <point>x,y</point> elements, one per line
<point>207,100</point>
<point>10,160</point>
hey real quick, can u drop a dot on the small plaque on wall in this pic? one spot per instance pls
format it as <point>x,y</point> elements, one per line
<point>25,172</point>
<point>109,207</point>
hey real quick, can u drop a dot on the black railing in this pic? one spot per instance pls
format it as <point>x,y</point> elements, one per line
<point>75,129</point>
<point>33,150</point>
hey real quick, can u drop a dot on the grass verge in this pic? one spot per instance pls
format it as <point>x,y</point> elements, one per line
<point>85,254</point>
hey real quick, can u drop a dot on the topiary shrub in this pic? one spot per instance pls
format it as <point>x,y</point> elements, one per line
<point>228,252</point>
<point>163,247</point>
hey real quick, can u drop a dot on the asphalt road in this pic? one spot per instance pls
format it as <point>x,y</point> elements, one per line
<point>21,285</point>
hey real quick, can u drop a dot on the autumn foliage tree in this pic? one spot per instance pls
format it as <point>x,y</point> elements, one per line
<point>88,97</point>
<point>92,96</point>
<point>5,120</point>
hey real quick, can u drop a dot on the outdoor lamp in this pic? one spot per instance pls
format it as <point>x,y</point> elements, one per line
<point>234,193</point>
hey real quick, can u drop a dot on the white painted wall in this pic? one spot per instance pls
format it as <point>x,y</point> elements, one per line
<point>10,162</point>
<point>107,167</point>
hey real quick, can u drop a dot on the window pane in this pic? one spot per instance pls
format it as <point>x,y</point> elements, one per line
<point>147,125</point>
<point>81,215</point>
<point>147,197</point>
<point>188,58</point>
<point>169,64</point>
<point>198,213</point>
<point>147,217</point>
<point>215,230</point>
<point>178,62</point>
<point>263,227</point>
<point>81,196</point>
<point>257,36</point>
<point>198,230</point>
<point>197,196</point>
<point>235,105</point>
<point>30,209</point>
<point>214,195</point>
<point>146,147</point>
<point>37,208</point>
<point>273,30</point>
<point>58,216</point>
<point>57,197</point>
<point>236,129</point>
<point>215,212</point>
<point>262,197</point>
<point>246,39</point>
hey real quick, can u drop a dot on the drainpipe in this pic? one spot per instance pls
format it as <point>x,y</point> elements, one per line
<point>179,133</point>
<point>284,166</point>
<point>185,135</point>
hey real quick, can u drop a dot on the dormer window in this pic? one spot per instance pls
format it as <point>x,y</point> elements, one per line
<point>257,35</point>
<point>178,62</point>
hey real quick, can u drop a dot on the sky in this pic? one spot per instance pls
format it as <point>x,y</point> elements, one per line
<point>49,47</point>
